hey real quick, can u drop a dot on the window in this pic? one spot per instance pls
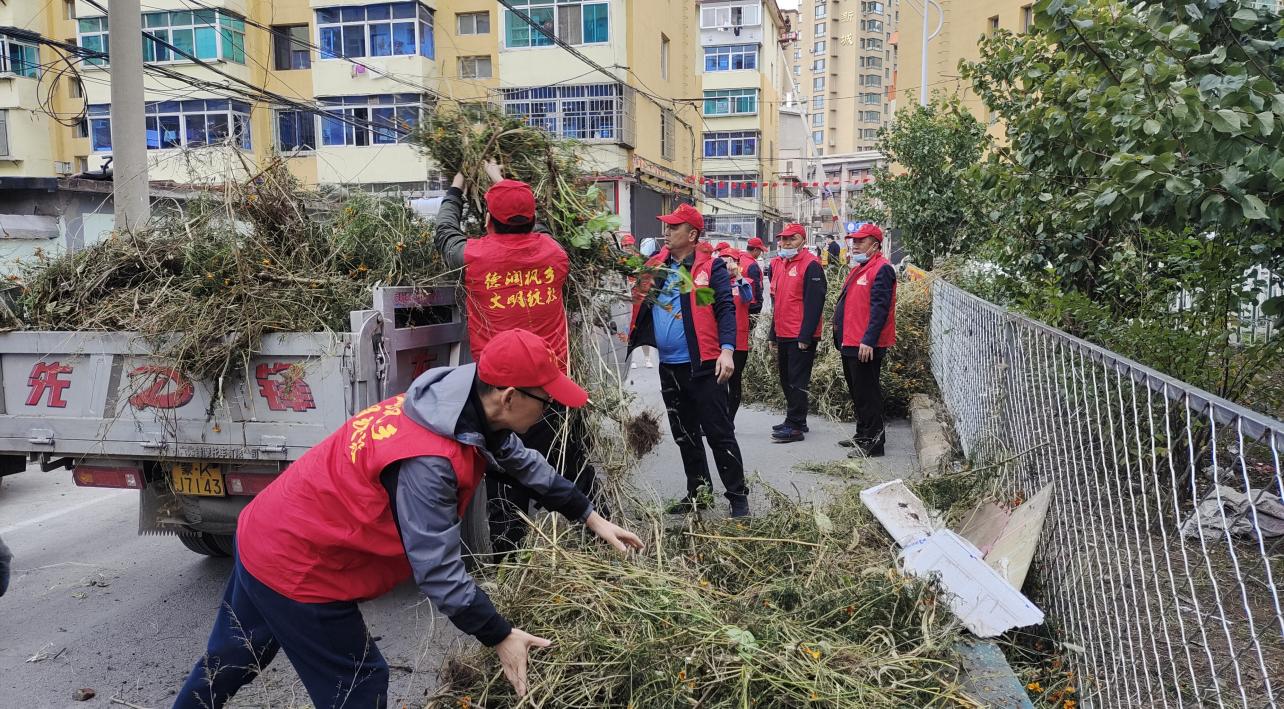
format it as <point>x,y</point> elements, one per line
<point>4,133</point>
<point>82,128</point>
<point>290,47</point>
<point>797,53</point>
<point>818,47</point>
<point>475,67</point>
<point>870,98</point>
<point>871,25</point>
<point>716,18</point>
<point>875,8</point>
<point>396,29</point>
<point>472,23</point>
<point>731,57</point>
<point>818,65</point>
<point>818,103</point>
<point>92,35</point>
<point>820,28</point>
<point>871,62</point>
<point>1027,18</point>
<point>731,144</point>
<point>820,10</point>
<point>992,24</point>
<point>871,117</point>
<point>75,88</point>
<point>204,34</point>
<point>869,133</point>
<point>296,131</point>
<point>730,102</point>
<point>818,137</point>
<point>382,119</point>
<point>667,134</point>
<point>797,70</point>
<point>19,58</point>
<point>871,80</point>
<point>68,9</point>
<point>871,44</point>
<point>572,21</point>
<point>818,83</point>
<point>180,124</point>
<point>664,57</point>
<point>818,120</point>
<point>596,112</point>
<point>732,186</point>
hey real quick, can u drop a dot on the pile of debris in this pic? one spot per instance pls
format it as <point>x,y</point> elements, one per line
<point>794,607</point>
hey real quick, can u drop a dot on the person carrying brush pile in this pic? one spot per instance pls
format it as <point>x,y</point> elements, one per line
<point>798,289</point>
<point>864,327</point>
<point>684,307</point>
<point>380,501</point>
<point>515,276</point>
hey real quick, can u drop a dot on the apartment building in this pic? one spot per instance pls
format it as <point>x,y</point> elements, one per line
<point>351,79</point>
<point>743,69</point>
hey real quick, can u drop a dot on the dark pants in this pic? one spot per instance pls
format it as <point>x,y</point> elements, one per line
<point>867,394</point>
<point>327,643</point>
<point>735,385</point>
<point>568,454</point>
<point>795,379</point>
<point>698,409</point>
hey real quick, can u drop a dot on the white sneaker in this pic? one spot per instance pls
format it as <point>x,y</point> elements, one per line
<point>634,365</point>
<point>648,364</point>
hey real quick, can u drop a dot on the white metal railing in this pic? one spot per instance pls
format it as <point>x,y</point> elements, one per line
<point>1153,558</point>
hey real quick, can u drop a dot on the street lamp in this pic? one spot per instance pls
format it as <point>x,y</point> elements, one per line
<point>940,24</point>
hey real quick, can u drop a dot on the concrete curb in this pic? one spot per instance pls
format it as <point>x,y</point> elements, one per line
<point>930,440</point>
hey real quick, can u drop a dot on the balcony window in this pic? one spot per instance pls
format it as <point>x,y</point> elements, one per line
<point>19,58</point>
<point>571,21</point>
<point>93,36</point>
<point>730,102</point>
<point>382,119</point>
<point>296,131</point>
<point>290,47</point>
<point>208,35</point>
<point>180,124</point>
<point>731,186</point>
<point>732,57</point>
<point>729,17</point>
<point>731,144</point>
<point>591,112</point>
<point>384,30</point>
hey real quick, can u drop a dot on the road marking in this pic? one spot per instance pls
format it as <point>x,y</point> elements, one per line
<point>58,513</point>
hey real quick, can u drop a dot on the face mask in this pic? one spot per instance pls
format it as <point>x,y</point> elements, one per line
<point>788,253</point>
<point>859,258</point>
<point>648,248</point>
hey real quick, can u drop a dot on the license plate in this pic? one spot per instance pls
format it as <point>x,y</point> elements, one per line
<point>203,479</point>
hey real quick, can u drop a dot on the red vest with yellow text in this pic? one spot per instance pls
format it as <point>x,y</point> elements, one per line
<point>515,281</point>
<point>742,307</point>
<point>858,287</point>
<point>787,280</point>
<point>323,531</point>
<point>702,317</point>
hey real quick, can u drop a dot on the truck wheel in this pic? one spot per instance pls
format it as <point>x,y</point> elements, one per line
<point>218,546</point>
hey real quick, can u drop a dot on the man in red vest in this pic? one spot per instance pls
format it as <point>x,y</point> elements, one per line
<point>515,277</point>
<point>798,289</point>
<point>696,340</point>
<point>378,502</point>
<point>864,327</point>
<point>742,291</point>
<point>755,251</point>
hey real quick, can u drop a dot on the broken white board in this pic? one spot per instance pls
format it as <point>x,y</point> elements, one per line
<point>900,511</point>
<point>1008,539</point>
<point>978,595</point>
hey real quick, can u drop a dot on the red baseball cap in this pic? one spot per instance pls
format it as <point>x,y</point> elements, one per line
<point>519,358</point>
<point>794,229</point>
<point>511,202</point>
<point>756,243</point>
<point>730,252</point>
<point>684,214</point>
<point>867,229</point>
<point>722,246</point>
<point>627,240</point>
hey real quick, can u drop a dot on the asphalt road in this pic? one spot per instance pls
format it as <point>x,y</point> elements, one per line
<point>95,605</point>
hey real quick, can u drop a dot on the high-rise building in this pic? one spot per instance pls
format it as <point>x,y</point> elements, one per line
<point>743,67</point>
<point>347,80</point>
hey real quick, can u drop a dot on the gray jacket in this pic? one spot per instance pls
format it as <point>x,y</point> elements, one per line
<point>448,237</point>
<point>424,494</point>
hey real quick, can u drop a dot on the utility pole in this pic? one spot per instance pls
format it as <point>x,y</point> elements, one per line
<point>128,128</point>
<point>940,24</point>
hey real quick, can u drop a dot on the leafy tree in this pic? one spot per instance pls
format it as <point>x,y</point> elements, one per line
<point>932,193</point>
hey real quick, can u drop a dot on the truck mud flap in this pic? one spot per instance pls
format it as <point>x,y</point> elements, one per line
<point>160,511</point>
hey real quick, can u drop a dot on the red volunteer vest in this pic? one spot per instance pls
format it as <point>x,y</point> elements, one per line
<point>787,279</point>
<point>742,307</point>
<point>516,281</point>
<point>858,287</point>
<point>702,317</point>
<point>323,531</point>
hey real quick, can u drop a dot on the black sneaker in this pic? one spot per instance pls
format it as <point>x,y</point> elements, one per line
<point>848,443</point>
<point>740,507</point>
<point>784,426</point>
<point>686,506</point>
<point>789,435</point>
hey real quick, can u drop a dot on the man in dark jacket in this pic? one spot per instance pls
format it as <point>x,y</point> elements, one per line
<point>696,340</point>
<point>515,276</point>
<point>755,250</point>
<point>798,288</point>
<point>376,503</point>
<point>864,327</point>
<point>833,250</point>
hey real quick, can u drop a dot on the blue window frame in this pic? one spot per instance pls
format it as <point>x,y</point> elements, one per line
<point>382,119</point>
<point>731,144</point>
<point>296,131</point>
<point>180,124</point>
<point>731,57</point>
<point>571,21</point>
<point>382,30</point>
<point>731,186</point>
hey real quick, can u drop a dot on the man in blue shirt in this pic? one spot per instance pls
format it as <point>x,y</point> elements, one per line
<point>696,340</point>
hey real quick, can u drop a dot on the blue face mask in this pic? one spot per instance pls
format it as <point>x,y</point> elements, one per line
<point>860,258</point>
<point>788,253</point>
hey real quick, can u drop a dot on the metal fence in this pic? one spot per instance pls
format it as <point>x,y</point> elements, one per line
<point>1154,561</point>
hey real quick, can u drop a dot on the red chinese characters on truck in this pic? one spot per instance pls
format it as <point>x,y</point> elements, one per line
<point>289,392</point>
<point>159,388</point>
<point>47,377</point>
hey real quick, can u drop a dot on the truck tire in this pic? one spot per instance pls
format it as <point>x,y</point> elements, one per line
<point>218,546</point>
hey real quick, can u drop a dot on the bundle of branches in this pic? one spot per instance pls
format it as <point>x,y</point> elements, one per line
<point>793,608</point>
<point>207,280</point>
<point>907,369</point>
